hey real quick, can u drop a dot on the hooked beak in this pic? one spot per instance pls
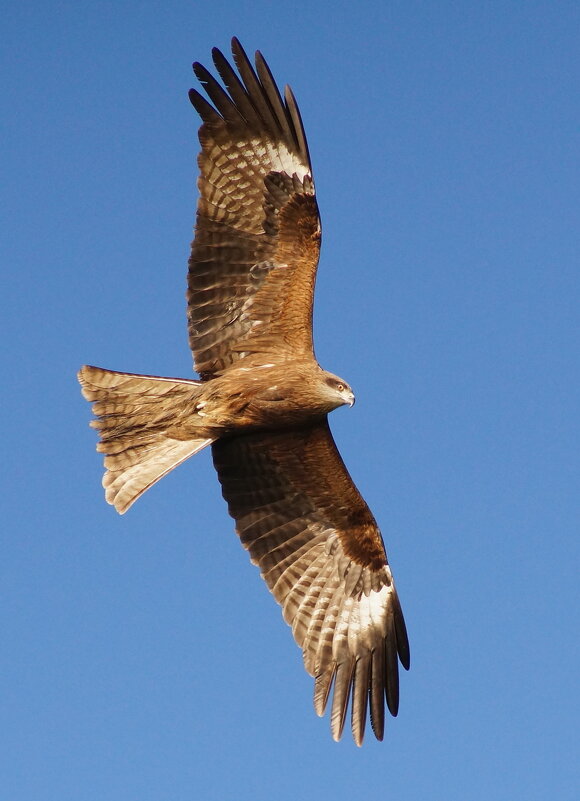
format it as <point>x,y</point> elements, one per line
<point>351,399</point>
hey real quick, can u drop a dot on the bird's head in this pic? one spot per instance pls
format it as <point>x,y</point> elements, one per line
<point>337,391</point>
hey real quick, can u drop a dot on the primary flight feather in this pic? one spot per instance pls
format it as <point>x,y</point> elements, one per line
<point>262,399</point>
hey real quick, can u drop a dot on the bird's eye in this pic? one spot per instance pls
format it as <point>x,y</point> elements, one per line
<point>340,387</point>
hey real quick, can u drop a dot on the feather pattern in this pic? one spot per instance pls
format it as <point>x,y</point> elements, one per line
<point>284,490</point>
<point>257,229</point>
<point>136,417</point>
<point>263,399</point>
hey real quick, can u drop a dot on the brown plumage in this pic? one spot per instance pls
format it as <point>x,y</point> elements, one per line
<point>263,400</point>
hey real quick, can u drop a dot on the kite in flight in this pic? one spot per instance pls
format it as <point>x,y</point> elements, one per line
<point>262,399</point>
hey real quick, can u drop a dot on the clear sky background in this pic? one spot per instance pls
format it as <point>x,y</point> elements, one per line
<point>142,656</point>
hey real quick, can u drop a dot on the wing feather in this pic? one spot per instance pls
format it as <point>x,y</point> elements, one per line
<point>321,554</point>
<point>205,110</point>
<point>376,693</point>
<point>275,100</point>
<point>221,100</point>
<point>236,89</point>
<point>257,238</point>
<point>341,695</point>
<point>391,671</point>
<point>253,86</point>
<point>297,123</point>
<point>360,697</point>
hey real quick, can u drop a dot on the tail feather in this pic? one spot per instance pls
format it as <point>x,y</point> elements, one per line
<point>138,421</point>
<point>126,481</point>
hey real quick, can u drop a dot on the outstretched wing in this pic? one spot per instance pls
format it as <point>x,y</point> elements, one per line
<point>257,235</point>
<point>320,551</point>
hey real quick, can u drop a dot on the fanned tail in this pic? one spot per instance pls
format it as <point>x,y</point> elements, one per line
<point>137,418</point>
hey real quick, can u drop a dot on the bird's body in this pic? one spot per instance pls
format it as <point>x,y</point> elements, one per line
<point>263,400</point>
<point>241,400</point>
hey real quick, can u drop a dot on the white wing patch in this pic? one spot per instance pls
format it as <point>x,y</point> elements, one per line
<point>281,159</point>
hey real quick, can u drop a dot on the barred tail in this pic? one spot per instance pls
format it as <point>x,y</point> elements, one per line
<point>137,418</point>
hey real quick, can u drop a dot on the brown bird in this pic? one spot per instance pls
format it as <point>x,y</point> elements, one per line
<point>262,399</point>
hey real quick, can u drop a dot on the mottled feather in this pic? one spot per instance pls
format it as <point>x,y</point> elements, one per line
<point>263,399</point>
<point>136,417</point>
<point>308,529</point>
<point>257,237</point>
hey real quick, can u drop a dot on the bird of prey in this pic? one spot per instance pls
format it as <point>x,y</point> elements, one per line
<point>262,400</point>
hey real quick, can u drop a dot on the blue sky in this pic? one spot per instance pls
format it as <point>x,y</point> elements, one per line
<point>143,657</point>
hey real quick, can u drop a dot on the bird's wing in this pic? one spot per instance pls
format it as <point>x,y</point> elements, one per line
<point>257,235</point>
<point>320,551</point>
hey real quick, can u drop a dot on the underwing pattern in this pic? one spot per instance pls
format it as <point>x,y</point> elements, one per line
<point>262,400</point>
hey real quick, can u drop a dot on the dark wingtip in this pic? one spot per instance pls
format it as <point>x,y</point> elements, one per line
<point>378,730</point>
<point>403,648</point>
<point>238,50</point>
<point>216,55</point>
<point>204,109</point>
<point>195,98</point>
<point>199,70</point>
<point>393,705</point>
